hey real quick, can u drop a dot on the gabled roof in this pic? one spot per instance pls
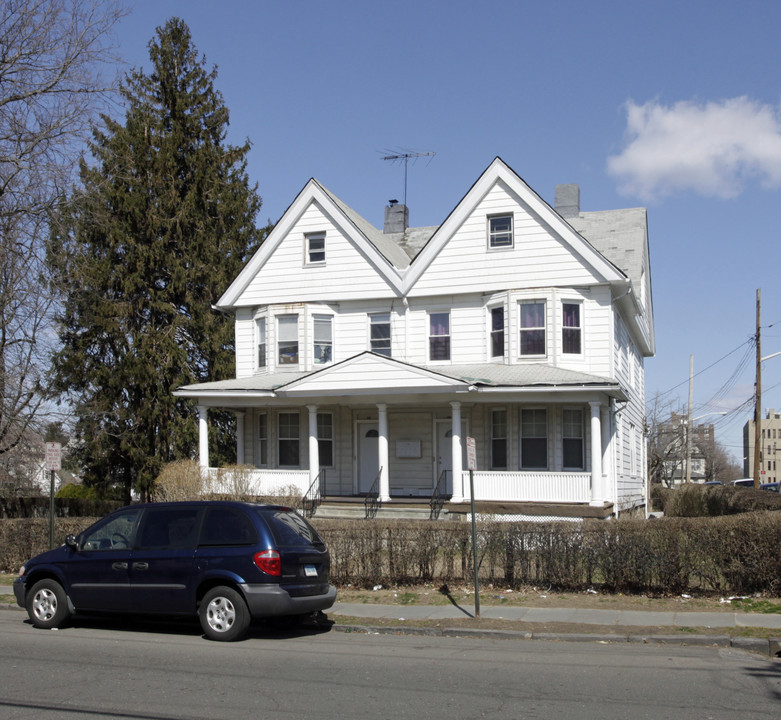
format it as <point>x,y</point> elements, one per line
<point>380,252</point>
<point>499,171</point>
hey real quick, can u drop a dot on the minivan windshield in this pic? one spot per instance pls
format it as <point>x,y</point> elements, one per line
<point>289,528</point>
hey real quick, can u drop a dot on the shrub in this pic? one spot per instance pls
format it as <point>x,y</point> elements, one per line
<point>181,480</point>
<point>73,490</point>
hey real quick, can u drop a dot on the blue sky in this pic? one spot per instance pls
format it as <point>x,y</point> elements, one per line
<point>674,106</point>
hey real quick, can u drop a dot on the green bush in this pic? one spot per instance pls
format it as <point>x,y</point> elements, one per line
<point>735,554</point>
<point>73,490</point>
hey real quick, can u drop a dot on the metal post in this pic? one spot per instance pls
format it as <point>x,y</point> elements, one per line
<point>51,511</point>
<point>474,541</point>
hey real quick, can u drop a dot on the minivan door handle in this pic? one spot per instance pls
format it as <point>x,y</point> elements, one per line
<point>140,566</point>
<point>119,566</point>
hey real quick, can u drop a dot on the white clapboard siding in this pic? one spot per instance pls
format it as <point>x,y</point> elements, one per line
<point>538,258</point>
<point>245,343</point>
<point>346,273</point>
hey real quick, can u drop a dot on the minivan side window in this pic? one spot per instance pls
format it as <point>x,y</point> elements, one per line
<point>227,526</point>
<point>168,528</point>
<point>116,533</point>
<point>290,529</point>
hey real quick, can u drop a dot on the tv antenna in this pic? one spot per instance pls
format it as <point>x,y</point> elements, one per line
<point>405,157</point>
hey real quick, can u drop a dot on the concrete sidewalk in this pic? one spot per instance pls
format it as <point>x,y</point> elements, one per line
<point>626,625</point>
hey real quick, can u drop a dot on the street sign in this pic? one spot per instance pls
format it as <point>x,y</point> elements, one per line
<point>53,456</point>
<point>471,454</point>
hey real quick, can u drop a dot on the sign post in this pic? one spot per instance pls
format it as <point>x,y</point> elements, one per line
<point>471,463</point>
<point>53,464</point>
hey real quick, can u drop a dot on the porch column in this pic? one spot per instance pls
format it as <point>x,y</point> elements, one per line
<point>239,437</point>
<point>314,449</point>
<point>457,454</point>
<point>382,451</point>
<point>203,436</point>
<point>608,485</point>
<point>597,491</point>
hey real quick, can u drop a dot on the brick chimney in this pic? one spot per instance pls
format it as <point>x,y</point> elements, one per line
<point>396,217</point>
<point>567,202</point>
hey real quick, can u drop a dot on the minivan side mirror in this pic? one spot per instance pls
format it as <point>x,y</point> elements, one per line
<point>70,541</point>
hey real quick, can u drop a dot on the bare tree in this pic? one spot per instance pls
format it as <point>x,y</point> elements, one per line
<point>53,57</point>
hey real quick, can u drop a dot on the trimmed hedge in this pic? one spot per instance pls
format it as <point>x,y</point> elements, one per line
<point>737,554</point>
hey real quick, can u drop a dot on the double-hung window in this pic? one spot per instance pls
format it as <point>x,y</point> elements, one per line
<point>315,249</point>
<point>572,438</point>
<point>533,327</point>
<point>380,334</point>
<point>287,339</point>
<point>500,231</point>
<point>289,439</point>
<point>260,329</point>
<point>325,439</point>
<point>324,340</point>
<point>571,328</point>
<point>262,440</point>
<point>534,438</point>
<point>497,332</point>
<point>499,440</point>
<point>439,336</point>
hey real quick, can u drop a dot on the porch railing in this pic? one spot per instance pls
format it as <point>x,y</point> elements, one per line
<point>529,486</point>
<point>437,501</point>
<point>372,502</point>
<point>314,495</point>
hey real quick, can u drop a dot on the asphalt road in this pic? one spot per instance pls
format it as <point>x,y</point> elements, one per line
<point>151,671</point>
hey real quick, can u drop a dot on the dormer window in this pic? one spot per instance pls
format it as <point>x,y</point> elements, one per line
<point>500,231</point>
<point>315,249</point>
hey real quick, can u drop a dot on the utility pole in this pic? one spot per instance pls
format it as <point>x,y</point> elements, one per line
<point>758,402</point>
<point>689,428</point>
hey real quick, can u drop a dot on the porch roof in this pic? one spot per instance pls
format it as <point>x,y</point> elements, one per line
<point>482,377</point>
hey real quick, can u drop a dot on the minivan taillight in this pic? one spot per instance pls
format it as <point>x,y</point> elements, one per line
<point>269,562</point>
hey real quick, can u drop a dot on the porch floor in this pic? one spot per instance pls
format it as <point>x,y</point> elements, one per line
<point>419,508</point>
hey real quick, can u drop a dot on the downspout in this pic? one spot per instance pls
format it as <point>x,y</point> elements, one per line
<point>405,303</point>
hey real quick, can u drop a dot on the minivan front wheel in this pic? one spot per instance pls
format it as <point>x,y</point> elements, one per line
<point>224,614</point>
<point>47,605</point>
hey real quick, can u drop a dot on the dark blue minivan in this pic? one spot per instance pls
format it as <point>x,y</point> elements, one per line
<point>228,562</point>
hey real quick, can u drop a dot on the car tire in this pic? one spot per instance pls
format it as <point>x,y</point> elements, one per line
<point>47,605</point>
<point>224,615</point>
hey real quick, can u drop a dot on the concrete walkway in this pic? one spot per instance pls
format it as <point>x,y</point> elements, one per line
<point>578,616</point>
<point>626,625</point>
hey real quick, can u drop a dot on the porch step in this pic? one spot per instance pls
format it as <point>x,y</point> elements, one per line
<point>387,511</point>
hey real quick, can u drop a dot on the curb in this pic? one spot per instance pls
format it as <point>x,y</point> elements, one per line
<point>755,645</point>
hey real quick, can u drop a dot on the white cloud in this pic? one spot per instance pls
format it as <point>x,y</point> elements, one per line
<point>710,148</point>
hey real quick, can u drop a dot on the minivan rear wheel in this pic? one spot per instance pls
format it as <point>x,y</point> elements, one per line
<point>47,605</point>
<point>224,614</point>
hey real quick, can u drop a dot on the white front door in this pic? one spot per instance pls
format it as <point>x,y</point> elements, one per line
<point>368,455</point>
<point>444,454</point>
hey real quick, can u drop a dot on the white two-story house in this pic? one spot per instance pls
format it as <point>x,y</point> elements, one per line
<point>367,361</point>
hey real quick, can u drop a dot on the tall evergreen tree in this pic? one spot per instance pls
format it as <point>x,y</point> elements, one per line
<point>164,221</point>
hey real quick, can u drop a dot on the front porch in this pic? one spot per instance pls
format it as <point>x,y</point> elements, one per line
<point>517,493</point>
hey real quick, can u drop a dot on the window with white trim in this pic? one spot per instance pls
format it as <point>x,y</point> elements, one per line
<point>500,231</point>
<point>498,439</point>
<point>497,332</point>
<point>534,438</point>
<point>439,336</point>
<point>573,438</point>
<point>571,328</point>
<point>289,439</point>
<point>262,440</point>
<point>315,249</point>
<point>260,330</point>
<point>380,333</point>
<point>323,339</point>
<point>325,439</point>
<point>287,340</point>
<point>533,327</point>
